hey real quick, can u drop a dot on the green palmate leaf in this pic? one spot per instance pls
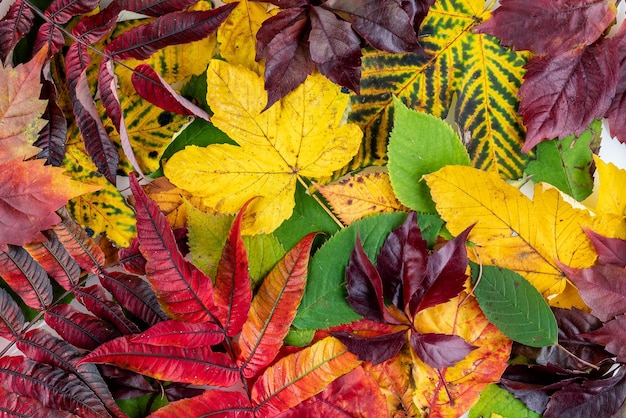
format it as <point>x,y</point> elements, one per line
<point>483,75</point>
<point>324,303</point>
<point>567,163</point>
<point>511,303</point>
<point>495,400</point>
<point>420,144</point>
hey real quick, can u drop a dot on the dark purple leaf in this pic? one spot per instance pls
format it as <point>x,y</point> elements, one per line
<point>134,294</point>
<point>170,29</point>
<point>14,26</point>
<point>61,11</point>
<point>284,4</point>
<point>53,135</point>
<point>375,349</point>
<point>49,36</point>
<point>154,8</point>
<point>610,250</point>
<point>79,329</point>
<point>124,383</point>
<point>440,350</point>
<point>11,317</point>
<point>177,391</point>
<point>26,277</point>
<point>24,406</point>
<point>611,335</point>
<point>96,301</point>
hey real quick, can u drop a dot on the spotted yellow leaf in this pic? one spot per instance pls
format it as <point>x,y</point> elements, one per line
<point>300,136</point>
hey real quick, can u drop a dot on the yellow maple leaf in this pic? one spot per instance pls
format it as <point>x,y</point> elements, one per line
<point>361,195</point>
<point>515,232</point>
<point>300,136</point>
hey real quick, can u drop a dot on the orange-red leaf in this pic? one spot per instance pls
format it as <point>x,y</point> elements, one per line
<point>27,278</point>
<point>300,376</point>
<point>83,249</point>
<point>55,260</point>
<point>210,403</point>
<point>180,334</point>
<point>273,309</point>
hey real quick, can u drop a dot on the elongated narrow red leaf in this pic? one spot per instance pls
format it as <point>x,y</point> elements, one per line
<point>52,136</point>
<point>135,294</point>
<point>210,403</point>
<point>54,387</point>
<point>273,309</point>
<point>52,256</point>
<point>300,376</point>
<point>27,278</point>
<point>61,11</point>
<point>14,26</point>
<point>149,85</point>
<point>11,316</point>
<point>183,290</point>
<point>97,302</point>
<point>170,29</point>
<point>198,366</point>
<point>51,37</point>
<point>92,28</point>
<point>180,334</point>
<point>79,329</point>
<point>232,283</point>
<point>154,8</point>
<point>82,248</point>
<point>14,405</point>
<point>134,262</point>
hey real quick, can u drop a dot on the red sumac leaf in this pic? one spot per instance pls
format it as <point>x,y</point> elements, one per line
<point>133,261</point>
<point>210,403</point>
<point>26,277</point>
<point>92,28</point>
<point>23,406</point>
<point>81,247</point>
<point>439,350</point>
<point>52,256</point>
<point>61,11</point>
<point>11,316</point>
<point>52,136</point>
<point>51,37</point>
<point>154,8</point>
<point>79,329</point>
<point>180,334</point>
<point>98,303</point>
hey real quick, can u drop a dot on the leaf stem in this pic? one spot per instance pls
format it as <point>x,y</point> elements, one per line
<point>445,387</point>
<point>480,275</point>
<point>322,204</point>
<point>575,357</point>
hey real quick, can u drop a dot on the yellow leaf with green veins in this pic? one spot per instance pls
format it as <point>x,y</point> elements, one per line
<point>483,75</point>
<point>300,136</point>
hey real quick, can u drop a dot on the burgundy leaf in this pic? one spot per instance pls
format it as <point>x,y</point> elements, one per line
<point>124,383</point>
<point>602,288</point>
<point>335,48</point>
<point>440,350</point>
<point>180,334</point>
<point>80,246</point>
<point>26,277</point>
<point>170,29</point>
<point>96,301</point>
<point>618,104</point>
<point>79,329</point>
<point>134,294</point>
<point>612,336</point>
<point>49,36</point>
<point>52,256</point>
<point>61,11</point>
<point>11,316</point>
<point>445,275</point>
<point>610,250</point>
<point>183,291</point>
<point>92,28</point>
<point>402,262</point>
<point>54,387</point>
<point>157,91</point>
<point>133,261</point>
<point>417,10</point>
<point>384,24</point>
<point>375,349</point>
<point>23,406</point>
<point>154,8</point>
<point>284,4</point>
<point>52,136</point>
<point>232,292</point>
<point>562,95</point>
<point>14,26</point>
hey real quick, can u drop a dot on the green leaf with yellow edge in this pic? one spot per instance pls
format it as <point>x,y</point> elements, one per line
<point>513,231</point>
<point>495,400</point>
<point>482,75</point>
<point>105,211</point>
<point>300,136</point>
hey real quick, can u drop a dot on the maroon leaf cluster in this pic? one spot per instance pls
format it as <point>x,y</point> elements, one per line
<point>577,74</point>
<point>328,35</point>
<point>412,280</point>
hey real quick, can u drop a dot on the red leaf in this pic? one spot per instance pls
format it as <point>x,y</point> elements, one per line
<point>183,291</point>
<point>549,27</point>
<point>180,334</point>
<point>25,277</point>
<point>170,29</point>
<point>562,95</point>
<point>210,403</point>
<point>92,28</point>
<point>82,248</point>
<point>374,349</point>
<point>610,250</point>
<point>52,137</point>
<point>440,350</point>
<point>273,309</point>
<point>232,292</point>
<point>355,394</point>
<point>154,8</point>
<point>197,366</point>
<point>97,302</point>
<point>11,317</point>
<point>157,91</point>
<point>14,26</point>
<point>135,295</point>
<point>61,11</point>
<point>16,405</point>
<point>133,262</point>
<point>51,37</point>
<point>55,260</point>
<point>79,329</point>
<point>618,104</point>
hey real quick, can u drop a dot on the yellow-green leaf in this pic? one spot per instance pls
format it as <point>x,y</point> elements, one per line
<point>484,76</point>
<point>300,136</point>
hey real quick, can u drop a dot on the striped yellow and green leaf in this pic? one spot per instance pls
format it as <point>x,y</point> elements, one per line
<point>469,76</point>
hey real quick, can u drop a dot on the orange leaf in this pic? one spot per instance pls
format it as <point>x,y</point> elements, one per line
<point>300,376</point>
<point>30,193</point>
<point>468,377</point>
<point>210,403</point>
<point>273,309</point>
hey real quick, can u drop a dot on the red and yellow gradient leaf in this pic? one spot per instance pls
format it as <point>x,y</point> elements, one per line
<point>210,403</point>
<point>300,376</point>
<point>273,309</point>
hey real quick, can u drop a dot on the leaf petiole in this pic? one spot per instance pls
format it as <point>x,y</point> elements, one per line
<point>322,204</point>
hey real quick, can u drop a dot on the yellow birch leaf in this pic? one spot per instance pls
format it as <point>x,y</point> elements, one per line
<point>236,37</point>
<point>513,231</point>
<point>299,136</point>
<point>361,195</point>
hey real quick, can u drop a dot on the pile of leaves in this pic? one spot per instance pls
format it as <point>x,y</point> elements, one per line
<point>300,207</point>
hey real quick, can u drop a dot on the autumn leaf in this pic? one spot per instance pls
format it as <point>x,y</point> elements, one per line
<point>301,136</point>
